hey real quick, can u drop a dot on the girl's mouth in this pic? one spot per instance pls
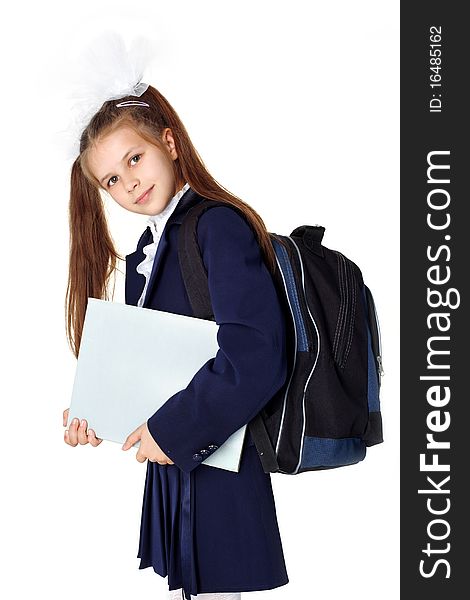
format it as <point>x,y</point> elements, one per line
<point>144,197</point>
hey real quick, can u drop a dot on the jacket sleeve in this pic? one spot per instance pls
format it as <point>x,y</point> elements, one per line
<point>250,364</point>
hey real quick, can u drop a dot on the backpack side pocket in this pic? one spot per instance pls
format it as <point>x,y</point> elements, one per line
<point>373,434</point>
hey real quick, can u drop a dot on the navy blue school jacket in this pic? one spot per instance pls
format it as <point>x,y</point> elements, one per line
<point>208,529</point>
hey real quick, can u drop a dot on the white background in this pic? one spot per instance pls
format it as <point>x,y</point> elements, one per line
<point>293,106</point>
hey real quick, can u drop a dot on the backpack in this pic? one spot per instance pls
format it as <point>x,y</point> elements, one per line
<point>328,411</point>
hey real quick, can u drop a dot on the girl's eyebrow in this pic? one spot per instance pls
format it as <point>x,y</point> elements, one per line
<point>123,158</point>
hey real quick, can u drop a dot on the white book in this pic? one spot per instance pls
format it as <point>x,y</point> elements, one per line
<point>131,361</point>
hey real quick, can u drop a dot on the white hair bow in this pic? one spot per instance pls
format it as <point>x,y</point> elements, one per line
<point>106,70</point>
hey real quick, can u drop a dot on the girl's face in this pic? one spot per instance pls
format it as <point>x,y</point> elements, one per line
<point>127,167</point>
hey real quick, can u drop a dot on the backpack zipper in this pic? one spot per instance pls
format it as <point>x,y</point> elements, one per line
<point>347,310</point>
<point>286,268</point>
<point>375,333</point>
<point>379,356</point>
<point>286,272</point>
<point>279,257</point>
<point>304,420</point>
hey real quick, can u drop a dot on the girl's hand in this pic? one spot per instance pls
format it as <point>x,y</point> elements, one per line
<point>148,447</point>
<point>77,432</point>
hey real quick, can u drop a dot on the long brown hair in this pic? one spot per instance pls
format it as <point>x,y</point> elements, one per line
<point>92,255</point>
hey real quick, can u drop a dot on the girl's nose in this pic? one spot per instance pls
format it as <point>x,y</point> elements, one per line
<point>132,185</point>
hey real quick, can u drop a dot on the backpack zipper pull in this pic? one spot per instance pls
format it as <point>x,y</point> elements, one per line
<point>379,362</point>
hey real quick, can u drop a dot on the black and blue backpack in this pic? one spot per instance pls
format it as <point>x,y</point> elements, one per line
<point>328,411</point>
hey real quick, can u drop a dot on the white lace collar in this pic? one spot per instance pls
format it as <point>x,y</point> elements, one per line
<point>157,225</point>
<point>161,217</point>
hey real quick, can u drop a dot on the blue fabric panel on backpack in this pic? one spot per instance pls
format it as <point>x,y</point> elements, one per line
<point>330,452</point>
<point>373,400</point>
<point>372,384</point>
<point>286,268</point>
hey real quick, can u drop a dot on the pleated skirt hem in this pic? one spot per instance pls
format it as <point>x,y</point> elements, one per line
<point>236,533</point>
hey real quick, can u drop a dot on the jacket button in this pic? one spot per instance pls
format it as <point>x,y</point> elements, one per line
<point>212,447</point>
<point>197,456</point>
<point>204,451</point>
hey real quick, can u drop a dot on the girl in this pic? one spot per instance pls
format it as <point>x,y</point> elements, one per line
<point>213,532</point>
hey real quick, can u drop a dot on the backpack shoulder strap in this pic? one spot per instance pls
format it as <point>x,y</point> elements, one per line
<point>190,259</point>
<point>195,280</point>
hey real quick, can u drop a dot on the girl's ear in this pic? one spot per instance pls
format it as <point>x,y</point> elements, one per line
<point>168,140</point>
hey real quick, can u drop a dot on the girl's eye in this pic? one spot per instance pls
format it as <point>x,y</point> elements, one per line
<point>135,156</point>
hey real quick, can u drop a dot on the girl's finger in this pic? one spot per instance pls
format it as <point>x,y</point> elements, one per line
<point>73,437</point>
<point>140,457</point>
<point>65,416</point>
<point>132,438</point>
<point>82,433</point>
<point>94,441</point>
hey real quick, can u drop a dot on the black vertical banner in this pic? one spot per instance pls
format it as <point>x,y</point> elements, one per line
<point>435,269</point>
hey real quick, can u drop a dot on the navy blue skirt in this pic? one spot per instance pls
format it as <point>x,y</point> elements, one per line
<point>212,530</point>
